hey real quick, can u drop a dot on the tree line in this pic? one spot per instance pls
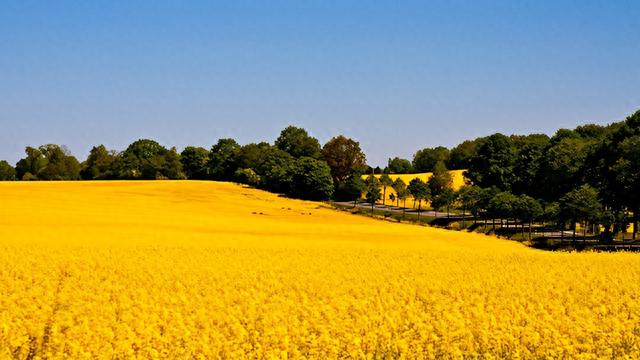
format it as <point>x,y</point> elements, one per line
<point>590,174</point>
<point>295,164</point>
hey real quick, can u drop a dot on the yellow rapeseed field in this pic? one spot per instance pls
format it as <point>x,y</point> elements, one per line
<point>187,269</point>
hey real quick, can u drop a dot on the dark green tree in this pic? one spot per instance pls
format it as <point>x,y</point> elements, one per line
<point>493,163</point>
<point>99,164</point>
<point>7,172</point>
<point>353,188</point>
<point>461,155</point>
<point>424,160</point>
<point>373,193</point>
<point>420,192</point>
<point>399,166</point>
<point>194,162</point>
<point>385,182</point>
<point>297,142</point>
<point>627,170</point>
<point>581,205</point>
<point>344,157</point>
<point>311,179</point>
<point>223,159</point>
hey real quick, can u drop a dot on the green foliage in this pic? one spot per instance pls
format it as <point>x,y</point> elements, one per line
<point>146,159</point>
<point>461,155</point>
<point>223,159</point>
<point>48,162</point>
<point>247,176</point>
<point>311,179</point>
<point>194,162</point>
<point>99,164</point>
<point>351,189</point>
<point>373,193</point>
<point>419,190</point>
<point>344,157</point>
<point>493,164</point>
<point>297,142</point>
<point>7,172</point>
<point>424,160</point>
<point>581,204</point>
<point>503,205</point>
<point>441,180</point>
<point>400,166</point>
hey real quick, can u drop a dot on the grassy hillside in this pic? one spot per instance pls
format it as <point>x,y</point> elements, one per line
<point>202,269</point>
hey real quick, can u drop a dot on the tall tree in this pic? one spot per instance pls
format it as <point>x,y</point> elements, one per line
<point>581,205</point>
<point>7,172</point>
<point>353,188</point>
<point>373,191</point>
<point>194,162</point>
<point>297,142</point>
<point>344,157</point>
<point>399,166</point>
<point>493,163</point>
<point>311,179</point>
<point>420,191</point>
<point>29,166</point>
<point>627,170</point>
<point>99,163</point>
<point>223,159</point>
<point>385,181</point>
<point>461,155</point>
<point>441,180</point>
<point>424,160</point>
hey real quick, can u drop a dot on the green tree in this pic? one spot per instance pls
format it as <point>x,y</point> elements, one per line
<point>527,209</point>
<point>48,162</point>
<point>99,164</point>
<point>7,172</point>
<point>399,166</point>
<point>420,191</point>
<point>441,179</point>
<point>275,170</point>
<point>443,200</point>
<point>530,151</point>
<point>424,160</point>
<point>502,206</point>
<point>353,188</point>
<point>247,176</point>
<point>493,163</point>
<point>462,154</point>
<point>311,179</point>
<point>223,159</point>
<point>344,157</point>
<point>147,159</point>
<point>470,200</point>
<point>627,170</point>
<point>561,169</point>
<point>31,165</point>
<point>297,142</point>
<point>373,193</point>
<point>581,205</point>
<point>194,162</point>
<point>385,181</point>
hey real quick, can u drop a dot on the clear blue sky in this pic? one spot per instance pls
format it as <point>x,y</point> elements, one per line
<point>395,75</point>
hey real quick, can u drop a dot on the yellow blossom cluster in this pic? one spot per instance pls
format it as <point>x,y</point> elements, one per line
<point>206,270</point>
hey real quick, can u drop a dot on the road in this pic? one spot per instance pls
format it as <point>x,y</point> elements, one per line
<point>431,213</point>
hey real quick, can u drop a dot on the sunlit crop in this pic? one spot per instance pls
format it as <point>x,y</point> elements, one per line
<point>211,270</point>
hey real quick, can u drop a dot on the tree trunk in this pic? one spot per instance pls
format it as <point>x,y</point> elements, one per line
<point>530,222</point>
<point>372,205</point>
<point>355,203</point>
<point>384,195</point>
<point>419,205</point>
<point>463,221</point>
<point>635,223</point>
<point>404,208</point>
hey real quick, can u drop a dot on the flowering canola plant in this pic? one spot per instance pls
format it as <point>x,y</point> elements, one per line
<point>188,269</point>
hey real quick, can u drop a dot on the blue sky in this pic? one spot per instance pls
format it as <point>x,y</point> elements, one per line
<point>395,75</point>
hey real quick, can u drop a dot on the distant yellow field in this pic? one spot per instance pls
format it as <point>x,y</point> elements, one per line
<point>187,269</point>
<point>456,175</point>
